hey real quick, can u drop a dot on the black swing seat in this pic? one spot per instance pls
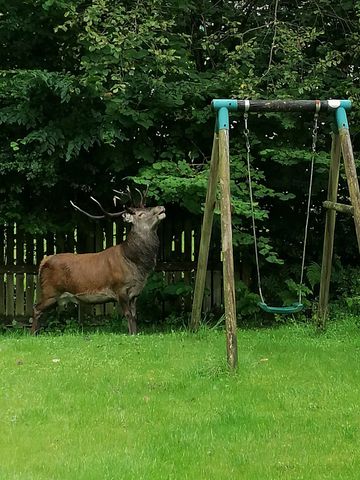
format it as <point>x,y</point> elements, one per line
<point>294,308</point>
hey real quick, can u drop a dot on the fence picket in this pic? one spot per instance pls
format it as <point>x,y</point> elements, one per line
<point>120,232</point>
<point>167,251</point>
<point>217,289</point>
<point>9,259</point>
<point>30,278</point>
<point>109,235</point>
<point>70,242</point>
<point>178,257</point>
<point>2,275</point>
<point>81,238</point>
<point>19,277</point>
<point>207,304</point>
<point>50,247</point>
<point>60,242</point>
<point>187,258</point>
<point>39,253</point>
<point>90,243</point>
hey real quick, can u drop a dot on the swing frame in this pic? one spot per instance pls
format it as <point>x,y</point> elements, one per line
<point>220,173</point>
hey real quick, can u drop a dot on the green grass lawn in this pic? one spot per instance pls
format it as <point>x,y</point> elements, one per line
<point>106,406</point>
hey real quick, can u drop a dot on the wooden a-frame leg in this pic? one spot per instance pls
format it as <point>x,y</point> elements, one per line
<point>352,180</point>
<point>205,236</point>
<point>329,232</point>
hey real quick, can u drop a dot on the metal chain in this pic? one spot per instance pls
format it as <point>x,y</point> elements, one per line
<point>247,144</point>
<point>313,154</point>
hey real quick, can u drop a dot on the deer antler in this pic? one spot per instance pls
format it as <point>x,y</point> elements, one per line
<point>141,204</point>
<point>97,217</point>
<point>108,214</point>
<point>145,193</point>
<point>143,196</point>
<point>129,195</point>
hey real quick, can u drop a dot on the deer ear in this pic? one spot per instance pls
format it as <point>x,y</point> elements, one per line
<point>127,217</point>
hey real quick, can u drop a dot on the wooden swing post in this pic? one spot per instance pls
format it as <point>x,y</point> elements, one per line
<point>227,246</point>
<point>329,230</point>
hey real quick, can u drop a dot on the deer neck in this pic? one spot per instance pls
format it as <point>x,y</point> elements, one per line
<point>140,248</point>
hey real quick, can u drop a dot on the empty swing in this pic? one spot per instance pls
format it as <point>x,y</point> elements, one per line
<point>297,306</point>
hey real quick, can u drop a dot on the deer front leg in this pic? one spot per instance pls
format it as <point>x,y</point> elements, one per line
<point>133,315</point>
<point>129,311</point>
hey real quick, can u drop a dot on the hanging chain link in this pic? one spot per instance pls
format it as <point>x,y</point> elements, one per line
<point>312,162</point>
<point>246,133</point>
<point>247,145</point>
<point>315,132</point>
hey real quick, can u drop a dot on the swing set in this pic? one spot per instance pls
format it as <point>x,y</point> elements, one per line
<point>220,173</point>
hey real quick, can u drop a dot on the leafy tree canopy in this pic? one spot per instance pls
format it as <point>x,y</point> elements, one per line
<point>94,93</point>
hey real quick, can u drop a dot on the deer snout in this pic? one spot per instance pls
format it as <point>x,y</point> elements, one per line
<point>161,212</point>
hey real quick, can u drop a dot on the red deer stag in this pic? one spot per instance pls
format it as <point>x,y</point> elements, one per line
<point>118,273</point>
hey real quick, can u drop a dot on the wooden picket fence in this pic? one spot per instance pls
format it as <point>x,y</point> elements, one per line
<point>21,253</point>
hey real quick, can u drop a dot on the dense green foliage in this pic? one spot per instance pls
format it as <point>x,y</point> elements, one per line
<point>101,406</point>
<point>95,91</point>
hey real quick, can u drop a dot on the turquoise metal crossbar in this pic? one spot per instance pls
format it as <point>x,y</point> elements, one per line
<point>279,105</point>
<point>224,106</point>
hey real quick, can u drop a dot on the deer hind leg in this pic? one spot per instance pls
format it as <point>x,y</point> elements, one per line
<point>39,308</point>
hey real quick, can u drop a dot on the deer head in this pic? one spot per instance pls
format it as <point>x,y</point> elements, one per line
<point>141,217</point>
